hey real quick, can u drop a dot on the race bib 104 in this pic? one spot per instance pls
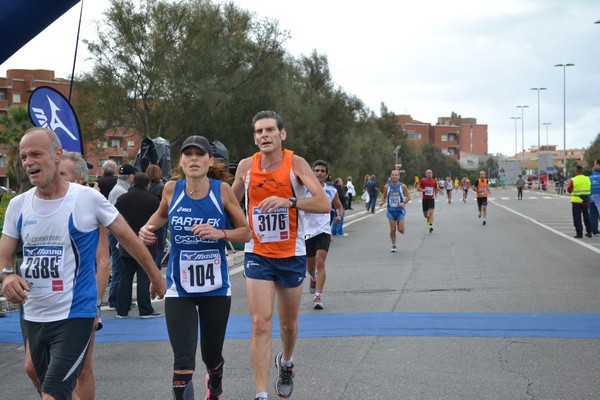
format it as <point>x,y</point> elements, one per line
<point>200,271</point>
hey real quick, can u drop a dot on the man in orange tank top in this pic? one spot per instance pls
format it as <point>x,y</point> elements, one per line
<point>273,183</point>
<point>482,190</point>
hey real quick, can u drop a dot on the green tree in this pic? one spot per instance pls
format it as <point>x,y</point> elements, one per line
<point>593,152</point>
<point>490,166</point>
<point>571,166</point>
<point>14,125</point>
<point>172,69</point>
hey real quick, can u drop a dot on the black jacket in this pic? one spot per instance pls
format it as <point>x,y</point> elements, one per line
<point>137,206</point>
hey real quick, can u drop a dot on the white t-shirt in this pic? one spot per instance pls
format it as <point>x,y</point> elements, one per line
<point>59,239</point>
<point>315,224</point>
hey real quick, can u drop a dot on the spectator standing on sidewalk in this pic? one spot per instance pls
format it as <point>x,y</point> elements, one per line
<point>126,173</point>
<point>580,188</point>
<point>156,188</point>
<point>136,206</point>
<point>372,189</point>
<point>108,180</point>
<point>350,191</point>
<point>561,183</point>
<point>520,186</point>
<point>337,227</point>
<point>594,205</point>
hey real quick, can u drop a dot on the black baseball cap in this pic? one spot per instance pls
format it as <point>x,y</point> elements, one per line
<point>197,141</point>
<point>127,169</point>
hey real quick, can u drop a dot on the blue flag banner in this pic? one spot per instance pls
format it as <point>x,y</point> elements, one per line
<point>48,108</point>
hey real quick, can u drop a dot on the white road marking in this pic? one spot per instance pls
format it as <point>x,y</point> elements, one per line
<point>578,241</point>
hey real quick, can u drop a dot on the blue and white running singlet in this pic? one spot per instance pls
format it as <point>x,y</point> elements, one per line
<point>394,196</point>
<point>197,267</point>
<point>59,238</point>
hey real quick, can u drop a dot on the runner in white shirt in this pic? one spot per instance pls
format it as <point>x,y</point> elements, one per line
<point>317,232</point>
<point>56,223</point>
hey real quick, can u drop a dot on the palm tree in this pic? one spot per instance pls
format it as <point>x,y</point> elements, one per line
<point>12,127</point>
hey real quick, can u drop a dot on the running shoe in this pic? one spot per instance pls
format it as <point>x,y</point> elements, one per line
<point>285,379</point>
<point>261,398</point>
<point>155,314</point>
<point>479,215</point>
<point>393,249</point>
<point>213,385</point>
<point>312,285</point>
<point>430,228</point>
<point>484,222</point>
<point>317,302</point>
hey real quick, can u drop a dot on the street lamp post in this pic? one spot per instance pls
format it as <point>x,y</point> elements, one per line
<point>516,146</point>
<point>538,145</point>
<point>546,124</point>
<point>564,66</point>
<point>522,133</point>
<point>397,153</point>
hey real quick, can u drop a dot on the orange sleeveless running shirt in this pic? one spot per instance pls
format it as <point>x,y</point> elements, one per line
<point>482,188</point>
<point>278,233</point>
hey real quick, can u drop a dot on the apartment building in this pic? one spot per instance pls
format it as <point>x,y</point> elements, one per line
<point>460,138</point>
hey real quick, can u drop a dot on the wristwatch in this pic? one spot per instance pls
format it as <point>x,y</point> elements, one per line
<point>6,271</point>
<point>293,200</point>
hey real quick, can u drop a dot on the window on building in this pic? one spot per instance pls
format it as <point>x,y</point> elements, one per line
<point>2,162</point>
<point>116,143</point>
<point>16,97</point>
<point>451,152</point>
<point>412,135</point>
<point>2,95</point>
<point>101,162</point>
<point>452,137</point>
<point>444,138</point>
<point>103,144</point>
<point>130,144</point>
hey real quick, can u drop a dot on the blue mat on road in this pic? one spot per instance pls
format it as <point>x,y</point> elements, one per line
<point>496,325</point>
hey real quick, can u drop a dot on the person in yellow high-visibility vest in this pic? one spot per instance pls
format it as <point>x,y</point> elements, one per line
<point>580,189</point>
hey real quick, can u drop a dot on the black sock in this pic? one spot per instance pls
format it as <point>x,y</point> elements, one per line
<point>215,378</point>
<point>183,387</point>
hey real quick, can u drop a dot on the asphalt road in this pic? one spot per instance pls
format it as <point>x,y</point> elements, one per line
<point>509,310</point>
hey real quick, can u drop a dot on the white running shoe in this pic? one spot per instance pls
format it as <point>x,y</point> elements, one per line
<point>317,302</point>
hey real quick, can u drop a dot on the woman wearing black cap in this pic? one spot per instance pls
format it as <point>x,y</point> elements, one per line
<point>198,209</point>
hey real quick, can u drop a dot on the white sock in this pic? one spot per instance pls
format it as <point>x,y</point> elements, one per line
<point>286,363</point>
<point>317,294</point>
<point>261,394</point>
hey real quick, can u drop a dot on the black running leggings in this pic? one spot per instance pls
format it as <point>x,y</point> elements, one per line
<point>182,315</point>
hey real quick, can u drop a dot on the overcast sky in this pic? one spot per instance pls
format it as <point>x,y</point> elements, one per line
<point>424,58</point>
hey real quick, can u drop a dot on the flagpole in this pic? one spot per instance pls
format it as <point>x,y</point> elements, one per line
<point>75,55</point>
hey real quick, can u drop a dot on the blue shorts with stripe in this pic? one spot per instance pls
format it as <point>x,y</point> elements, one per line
<point>287,272</point>
<point>396,214</point>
